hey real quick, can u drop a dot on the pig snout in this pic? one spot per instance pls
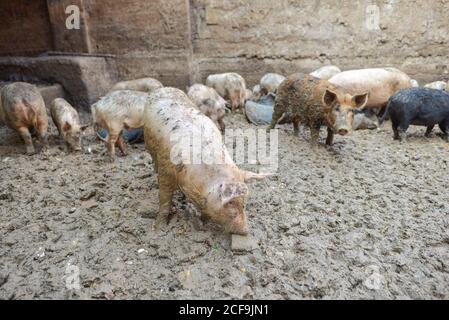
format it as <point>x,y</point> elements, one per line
<point>343,125</point>
<point>238,226</point>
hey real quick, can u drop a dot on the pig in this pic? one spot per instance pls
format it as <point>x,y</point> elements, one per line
<point>216,186</point>
<point>270,83</point>
<point>315,103</point>
<point>67,122</point>
<point>257,92</point>
<point>421,107</point>
<point>116,111</point>
<point>147,85</point>
<point>209,102</point>
<point>382,83</point>
<point>22,108</point>
<point>326,72</point>
<point>439,85</point>
<point>230,86</point>
<point>248,95</point>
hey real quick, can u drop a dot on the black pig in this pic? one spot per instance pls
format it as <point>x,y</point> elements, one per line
<point>420,107</point>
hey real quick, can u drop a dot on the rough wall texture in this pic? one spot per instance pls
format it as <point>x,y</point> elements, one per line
<point>148,38</point>
<point>24,27</point>
<point>85,79</point>
<point>255,37</point>
<point>182,41</point>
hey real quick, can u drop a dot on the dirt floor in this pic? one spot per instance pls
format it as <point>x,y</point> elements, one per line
<point>367,218</point>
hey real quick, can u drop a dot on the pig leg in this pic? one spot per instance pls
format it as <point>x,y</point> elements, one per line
<point>444,127</point>
<point>330,137</point>
<point>429,131</point>
<point>42,135</point>
<point>121,144</point>
<point>112,140</point>
<point>166,191</point>
<point>277,116</point>
<point>296,127</point>
<point>26,136</point>
<point>315,135</point>
<point>234,101</point>
<point>221,125</point>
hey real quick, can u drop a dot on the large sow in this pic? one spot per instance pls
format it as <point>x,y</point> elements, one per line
<point>216,185</point>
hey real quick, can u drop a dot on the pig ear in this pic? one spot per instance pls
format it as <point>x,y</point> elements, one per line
<point>329,98</point>
<point>231,191</point>
<point>66,127</point>
<point>248,175</point>
<point>360,100</point>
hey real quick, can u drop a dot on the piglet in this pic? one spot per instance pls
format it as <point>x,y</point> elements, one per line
<point>209,102</point>
<point>67,121</point>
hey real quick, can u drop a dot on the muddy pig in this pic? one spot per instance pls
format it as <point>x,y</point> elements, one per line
<point>213,183</point>
<point>270,83</point>
<point>421,107</point>
<point>326,72</point>
<point>381,83</point>
<point>22,108</point>
<point>209,102</point>
<point>67,121</point>
<point>147,85</point>
<point>119,110</point>
<point>230,86</point>
<point>315,103</point>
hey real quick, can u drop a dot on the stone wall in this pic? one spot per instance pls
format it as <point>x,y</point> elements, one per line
<point>182,41</point>
<point>25,27</point>
<point>255,37</point>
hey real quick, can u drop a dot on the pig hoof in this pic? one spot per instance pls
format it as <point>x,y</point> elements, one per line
<point>160,223</point>
<point>30,151</point>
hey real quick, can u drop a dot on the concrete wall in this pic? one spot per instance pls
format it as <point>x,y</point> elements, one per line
<point>24,27</point>
<point>255,37</point>
<point>181,41</point>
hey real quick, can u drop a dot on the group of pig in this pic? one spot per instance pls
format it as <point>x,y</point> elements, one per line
<point>326,97</point>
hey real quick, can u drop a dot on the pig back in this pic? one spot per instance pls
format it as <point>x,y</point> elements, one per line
<point>120,107</point>
<point>382,83</point>
<point>18,95</point>
<point>300,94</point>
<point>171,117</point>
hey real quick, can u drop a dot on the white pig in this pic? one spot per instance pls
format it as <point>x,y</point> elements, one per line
<point>381,83</point>
<point>209,102</point>
<point>119,110</point>
<point>230,86</point>
<point>147,85</point>
<point>213,183</point>
<point>326,72</point>
<point>67,121</point>
<point>270,83</point>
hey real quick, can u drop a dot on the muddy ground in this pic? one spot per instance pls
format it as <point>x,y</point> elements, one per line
<point>367,218</point>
